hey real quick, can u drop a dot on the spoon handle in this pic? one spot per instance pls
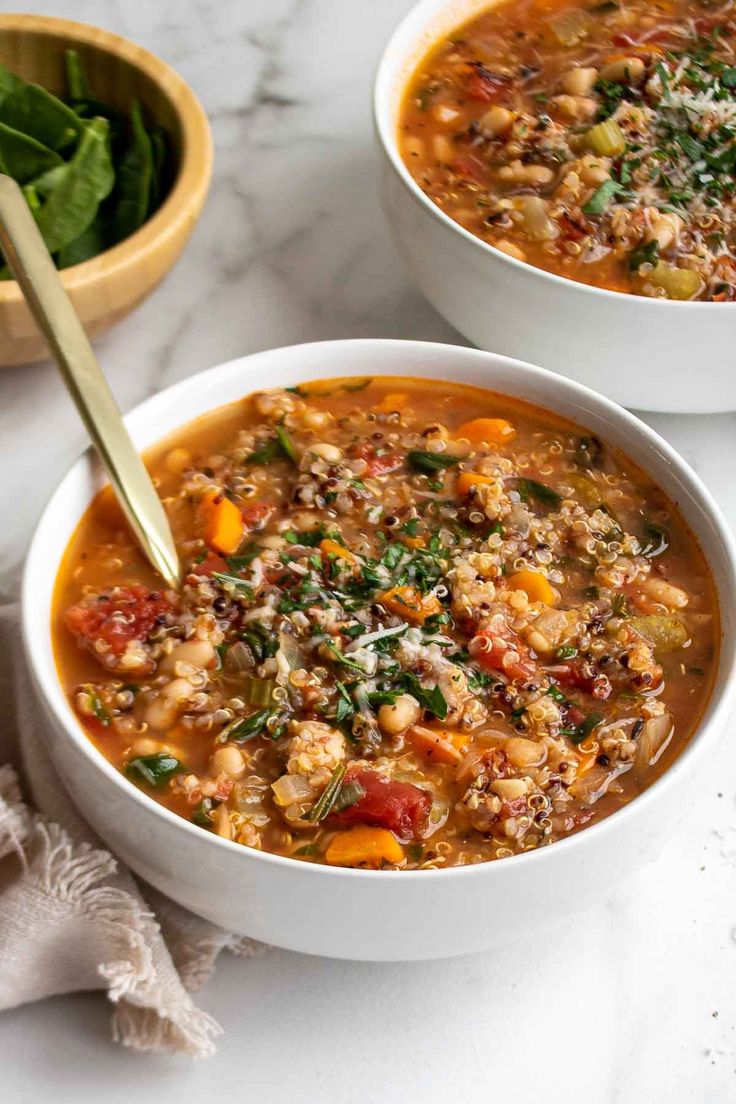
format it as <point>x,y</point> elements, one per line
<point>31,264</point>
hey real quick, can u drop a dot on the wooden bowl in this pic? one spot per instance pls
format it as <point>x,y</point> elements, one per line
<point>110,285</point>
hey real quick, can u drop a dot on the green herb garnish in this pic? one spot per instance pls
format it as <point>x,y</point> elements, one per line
<point>287,445</point>
<point>327,799</point>
<point>246,728</point>
<point>154,770</point>
<point>430,698</point>
<point>540,492</point>
<point>600,199</point>
<point>430,462</point>
<point>648,253</point>
<point>584,729</point>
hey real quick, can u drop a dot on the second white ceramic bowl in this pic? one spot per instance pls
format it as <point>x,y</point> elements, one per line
<point>356,913</point>
<point>649,354</point>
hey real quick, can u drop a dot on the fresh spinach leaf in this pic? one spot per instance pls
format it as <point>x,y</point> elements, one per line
<point>155,770</point>
<point>133,184</point>
<point>73,204</point>
<point>34,111</point>
<point>430,462</point>
<point>22,157</point>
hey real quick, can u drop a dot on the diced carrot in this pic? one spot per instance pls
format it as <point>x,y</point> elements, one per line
<point>415,542</point>
<point>392,400</point>
<point>534,584</point>
<point>467,480</point>
<point>331,548</point>
<point>490,431</point>
<point>407,602</point>
<point>587,761</point>
<point>364,846</point>
<point>223,523</point>
<point>437,744</point>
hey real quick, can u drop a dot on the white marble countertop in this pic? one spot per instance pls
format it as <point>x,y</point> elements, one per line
<point>636,1000</point>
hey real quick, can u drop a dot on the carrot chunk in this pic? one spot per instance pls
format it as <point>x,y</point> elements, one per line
<point>407,602</point>
<point>392,401</point>
<point>437,744</point>
<point>331,548</point>
<point>489,431</point>
<point>364,846</point>
<point>534,584</point>
<point>469,479</point>
<point>223,523</point>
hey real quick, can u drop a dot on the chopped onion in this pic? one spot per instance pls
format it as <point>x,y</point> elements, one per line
<point>653,739</point>
<point>290,788</point>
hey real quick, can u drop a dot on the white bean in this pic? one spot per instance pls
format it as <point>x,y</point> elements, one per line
<point>575,107</point>
<point>228,760</point>
<point>330,453</point>
<point>579,82</point>
<point>536,222</point>
<point>508,789</point>
<point>628,70</point>
<point>177,690</point>
<point>524,753</point>
<point>510,249</point>
<point>664,229</point>
<point>221,821</point>
<point>200,653</point>
<point>396,718</point>
<point>443,149</point>
<point>497,120</point>
<point>177,460</point>
<point>667,594</point>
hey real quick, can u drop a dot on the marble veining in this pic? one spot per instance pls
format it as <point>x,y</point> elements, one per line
<point>633,1000</point>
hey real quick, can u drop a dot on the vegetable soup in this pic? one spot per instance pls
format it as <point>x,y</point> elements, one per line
<point>595,140</point>
<point>421,625</point>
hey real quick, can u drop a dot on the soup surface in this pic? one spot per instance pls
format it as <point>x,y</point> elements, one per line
<point>421,625</point>
<point>595,140</point>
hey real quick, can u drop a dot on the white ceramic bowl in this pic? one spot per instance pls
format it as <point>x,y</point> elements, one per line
<point>354,913</point>
<point>649,354</point>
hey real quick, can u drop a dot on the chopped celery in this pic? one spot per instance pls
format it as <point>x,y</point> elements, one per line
<point>258,691</point>
<point>679,283</point>
<point>606,139</point>
<point>572,26</point>
<point>665,633</point>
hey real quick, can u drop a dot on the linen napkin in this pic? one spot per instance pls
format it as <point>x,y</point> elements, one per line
<point>72,917</point>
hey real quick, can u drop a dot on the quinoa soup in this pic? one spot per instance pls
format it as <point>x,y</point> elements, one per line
<point>421,625</point>
<point>595,140</point>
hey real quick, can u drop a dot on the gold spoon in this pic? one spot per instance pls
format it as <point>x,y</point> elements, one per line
<point>30,262</point>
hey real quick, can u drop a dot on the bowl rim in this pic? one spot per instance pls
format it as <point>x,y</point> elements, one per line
<point>195,168</point>
<point>384,84</point>
<point>722,699</point>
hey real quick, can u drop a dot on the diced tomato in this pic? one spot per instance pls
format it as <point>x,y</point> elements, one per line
<point>398,806</point>
<point>125,614</point>
<point>707,23</point>
<point>572,229</point>
<point>514,808</point>
<point>482,84</point>
<point>212,562</point>
<point>490,650</point>
<point>256,514</point>
<point>469,165</point>
<point>581,675</point>
<point>378,463</point>
<point>623,39</point>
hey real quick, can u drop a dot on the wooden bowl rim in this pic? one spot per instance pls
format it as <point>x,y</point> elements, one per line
<point>185,199</point>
